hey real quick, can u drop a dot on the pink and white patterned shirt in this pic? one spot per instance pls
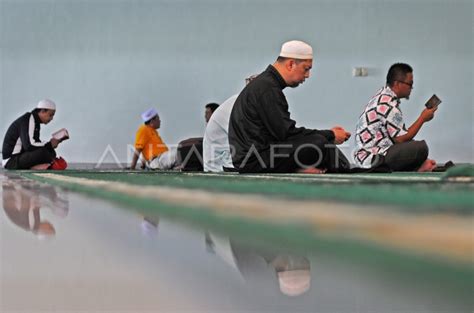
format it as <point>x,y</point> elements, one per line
<point>381,121</point>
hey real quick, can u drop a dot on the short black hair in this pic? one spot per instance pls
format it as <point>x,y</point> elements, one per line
<point>212,106</point>
<point>398,72</point>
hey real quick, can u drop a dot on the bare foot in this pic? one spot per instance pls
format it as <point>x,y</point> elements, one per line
<point>311,170</point>
<point>427,166</point>
<point>44,166</point>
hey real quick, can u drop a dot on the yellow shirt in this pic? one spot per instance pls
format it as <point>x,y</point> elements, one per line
<point>150,142</point>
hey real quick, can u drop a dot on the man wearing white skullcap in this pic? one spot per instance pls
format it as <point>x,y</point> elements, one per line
<point>261,132</point>
<point>149,144</point>
<point>22,147</point>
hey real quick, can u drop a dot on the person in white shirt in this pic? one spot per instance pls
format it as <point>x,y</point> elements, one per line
<point>216,149</point>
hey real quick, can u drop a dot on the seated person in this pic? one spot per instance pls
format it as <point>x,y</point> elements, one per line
<point>149,144</point>
<point>261,131</point>
<point>216,150</point>
<point>381,135</point>
<point>190,150</point>
<point>22,147</point>
<point>210,108</point>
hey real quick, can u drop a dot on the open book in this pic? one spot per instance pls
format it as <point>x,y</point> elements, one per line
<point>432,102</point>
<point>61,134</point>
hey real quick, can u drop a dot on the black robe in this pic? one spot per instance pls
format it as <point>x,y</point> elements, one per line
<point>260,118</point>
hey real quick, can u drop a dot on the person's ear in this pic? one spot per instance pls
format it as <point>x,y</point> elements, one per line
<point>291,64</point>
<point>396,85</point>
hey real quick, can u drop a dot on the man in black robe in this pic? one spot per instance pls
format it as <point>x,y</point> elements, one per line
<point>22,147</point>
<point>263,137</point>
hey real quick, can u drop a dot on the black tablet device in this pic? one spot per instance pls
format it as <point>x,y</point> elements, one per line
<point>432,102</point>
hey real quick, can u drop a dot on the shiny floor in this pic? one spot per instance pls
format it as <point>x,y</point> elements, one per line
<point>65,252</point>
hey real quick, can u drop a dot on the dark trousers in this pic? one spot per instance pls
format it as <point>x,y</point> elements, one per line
<point>311,150</point>
<point>28,159</point>
<point>406,156</point>
<point>190,155</point>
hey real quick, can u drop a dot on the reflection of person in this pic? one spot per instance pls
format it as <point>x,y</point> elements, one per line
<point>381,135</point>
<point>261,131</point>
<point>291,273</point>
<point>149,226</point>
<point>22,147</point>
<point>22,205</point>
<point>210,108</point>
<point>216,149</point>
<point>149,144</point>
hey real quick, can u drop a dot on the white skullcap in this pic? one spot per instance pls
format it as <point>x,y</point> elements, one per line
<point>46,104</point>
<point>149,114</point>
<point>296,49</point>
<point>294,283</point>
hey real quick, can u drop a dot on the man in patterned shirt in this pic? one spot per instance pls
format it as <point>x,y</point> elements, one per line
<point>381,135</point>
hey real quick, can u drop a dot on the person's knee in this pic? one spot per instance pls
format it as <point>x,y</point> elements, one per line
<point>312,151</point>
<point>422,150</point>
<point>320,141</point>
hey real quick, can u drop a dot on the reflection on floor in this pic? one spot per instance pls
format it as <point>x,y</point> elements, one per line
<point>63,251</point>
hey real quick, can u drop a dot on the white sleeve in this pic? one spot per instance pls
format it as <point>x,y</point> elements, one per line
<point>31,130</point>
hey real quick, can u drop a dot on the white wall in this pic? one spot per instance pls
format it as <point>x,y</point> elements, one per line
<point>104,62</point>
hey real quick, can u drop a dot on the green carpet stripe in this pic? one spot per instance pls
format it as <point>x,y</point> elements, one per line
<point>414,197</point>
<point>460,171</point>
